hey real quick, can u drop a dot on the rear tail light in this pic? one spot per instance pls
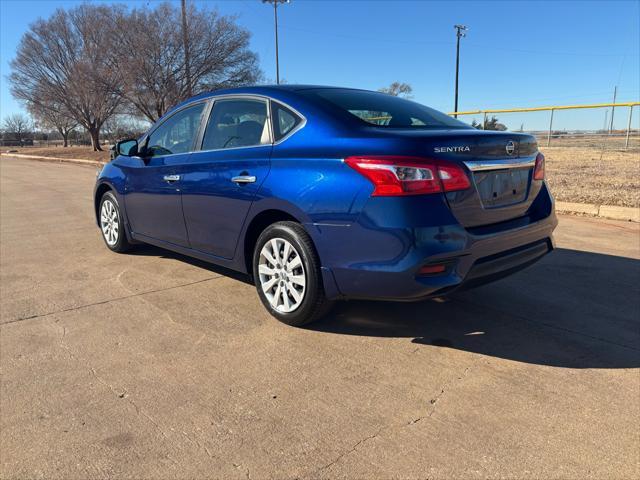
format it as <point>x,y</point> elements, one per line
<point>538,171</point>
<point>452,177</point>
<point>395,176</point>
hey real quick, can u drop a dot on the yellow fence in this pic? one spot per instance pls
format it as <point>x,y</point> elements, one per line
<point>552,109</point>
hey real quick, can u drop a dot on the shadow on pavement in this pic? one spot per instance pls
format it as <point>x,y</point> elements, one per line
<point>572,309</point>
<point>153,251</point>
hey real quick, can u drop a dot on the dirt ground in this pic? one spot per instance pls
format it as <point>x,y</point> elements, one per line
<point>83,153</point>
<point>153,365</point>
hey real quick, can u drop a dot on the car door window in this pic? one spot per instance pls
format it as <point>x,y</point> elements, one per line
<point>237,123</point>
<point>177,133</point>
<point>284,121</point>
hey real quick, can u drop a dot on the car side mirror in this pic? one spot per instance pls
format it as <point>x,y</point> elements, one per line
<point>127,148</point>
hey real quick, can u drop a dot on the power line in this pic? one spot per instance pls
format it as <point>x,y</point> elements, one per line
<point>545,52</point>
<point>435,42</point>
<point>366,38</point>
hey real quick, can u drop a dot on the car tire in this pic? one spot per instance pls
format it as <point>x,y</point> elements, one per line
<point>112,224</point>
<point>287,274</point>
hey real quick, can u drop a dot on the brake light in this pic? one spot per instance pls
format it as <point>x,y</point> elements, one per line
<point>538,171</point>
<point>395,176</point>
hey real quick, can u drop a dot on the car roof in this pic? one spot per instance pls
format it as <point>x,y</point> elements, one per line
<point>281,87</point>
<point>266,90</point>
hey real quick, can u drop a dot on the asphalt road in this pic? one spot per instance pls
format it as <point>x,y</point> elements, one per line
<point>151,365</point>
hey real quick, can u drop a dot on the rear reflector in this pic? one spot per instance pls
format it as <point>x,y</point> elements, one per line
<point>538,171</point>
<point>432,269</point>
<point>395,175</point>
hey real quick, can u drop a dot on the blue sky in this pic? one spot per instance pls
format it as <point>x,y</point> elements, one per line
<point>517,54</point>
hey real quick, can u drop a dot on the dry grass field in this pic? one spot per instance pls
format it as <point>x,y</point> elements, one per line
<point>589,175</point>
<point>575,174</point>
<point>616,141</point>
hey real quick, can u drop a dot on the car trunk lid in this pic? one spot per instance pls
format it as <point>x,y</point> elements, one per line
<point>500,166</point>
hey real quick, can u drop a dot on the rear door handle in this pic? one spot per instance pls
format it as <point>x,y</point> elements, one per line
<point>244,179</point>
<point>171,178</point>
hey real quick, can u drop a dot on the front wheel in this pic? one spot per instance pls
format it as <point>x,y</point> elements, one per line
<point>112,224</point>
<point>287,274</point>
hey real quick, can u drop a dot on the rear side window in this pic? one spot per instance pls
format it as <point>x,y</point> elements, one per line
<point>237,123</point>
<point>383,110</point>
<point>284,120</point>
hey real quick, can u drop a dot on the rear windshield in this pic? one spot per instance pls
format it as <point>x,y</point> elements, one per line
<point>383,110</point>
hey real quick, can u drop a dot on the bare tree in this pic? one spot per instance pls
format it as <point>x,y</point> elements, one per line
<point>491,124</point>
<point>64,61</point>
<point>119,127</point>
<point>398,89</point>
<point>16,125</point>
<point>162,64</point>
<point>54,117</point>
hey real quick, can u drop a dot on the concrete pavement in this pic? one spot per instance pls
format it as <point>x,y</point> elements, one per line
<point>151,365</point>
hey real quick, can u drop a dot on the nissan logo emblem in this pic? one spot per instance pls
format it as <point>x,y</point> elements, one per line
<point>511,147</point>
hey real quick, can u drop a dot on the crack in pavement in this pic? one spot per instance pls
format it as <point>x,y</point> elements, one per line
<point>351,450</point>
<point>103,302</point>
<point>198,444</point>
<point>444,389</point>
<point>433,401</point>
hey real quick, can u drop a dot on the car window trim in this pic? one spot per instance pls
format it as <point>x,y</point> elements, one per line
<point>203,125</point>
<point>300,126</point>
<point>146,136</point>
<point>197,147</point>
<point>269,100</point>
<point>260,98</point>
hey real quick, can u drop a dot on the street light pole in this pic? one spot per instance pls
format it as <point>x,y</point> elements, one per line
<point>275,19</point>
<point>185,43</point>
<point>460,32</point>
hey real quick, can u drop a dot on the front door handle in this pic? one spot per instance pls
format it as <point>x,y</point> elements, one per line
<point>244,179</point>
<point>171,178</point>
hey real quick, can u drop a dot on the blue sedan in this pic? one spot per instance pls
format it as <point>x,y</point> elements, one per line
<point>323,193</point>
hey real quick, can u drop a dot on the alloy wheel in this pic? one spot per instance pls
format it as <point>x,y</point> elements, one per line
<point>281,275</point>
<point>109,222</point>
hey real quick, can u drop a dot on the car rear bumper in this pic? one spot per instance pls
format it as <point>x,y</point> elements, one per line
<point>383,262</point>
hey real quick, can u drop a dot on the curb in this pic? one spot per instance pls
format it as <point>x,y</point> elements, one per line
<point>77,161</point>
<point>628,214</point>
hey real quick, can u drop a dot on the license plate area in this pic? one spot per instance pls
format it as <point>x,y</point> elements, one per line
<point>499,188</point>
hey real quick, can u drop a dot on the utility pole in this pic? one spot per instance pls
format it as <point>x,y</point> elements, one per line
<point>613,109</point>
<point>460,32</point>
<point>185,42</point>
<point>275,18</point>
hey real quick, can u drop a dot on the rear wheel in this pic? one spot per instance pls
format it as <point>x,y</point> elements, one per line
<point>287,274</point>
<point>112,224</point>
